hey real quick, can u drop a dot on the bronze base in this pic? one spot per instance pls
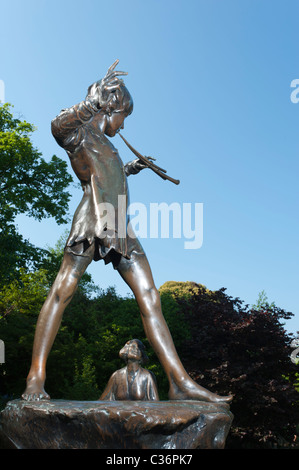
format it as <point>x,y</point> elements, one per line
<point>59,424</point>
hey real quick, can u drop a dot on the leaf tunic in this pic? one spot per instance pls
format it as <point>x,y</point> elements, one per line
<point>101,216</point>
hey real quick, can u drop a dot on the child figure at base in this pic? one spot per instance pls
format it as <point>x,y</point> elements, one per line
<point>132,382</point>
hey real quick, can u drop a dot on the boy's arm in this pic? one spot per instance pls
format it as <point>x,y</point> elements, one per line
<point>67,127</point>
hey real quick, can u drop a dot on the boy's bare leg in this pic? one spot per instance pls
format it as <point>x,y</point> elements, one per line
<point>61,293</point>
<point>137,274</point>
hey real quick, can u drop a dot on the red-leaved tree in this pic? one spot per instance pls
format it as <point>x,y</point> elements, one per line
<point>232,348</point>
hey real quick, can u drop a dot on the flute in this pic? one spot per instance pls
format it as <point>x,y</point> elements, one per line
<point>155,168</point>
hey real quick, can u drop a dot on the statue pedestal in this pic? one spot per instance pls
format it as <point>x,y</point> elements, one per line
<point>59,424</point>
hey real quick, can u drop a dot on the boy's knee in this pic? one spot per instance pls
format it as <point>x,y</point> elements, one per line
<point>151,295</point>
<point>65,287</point>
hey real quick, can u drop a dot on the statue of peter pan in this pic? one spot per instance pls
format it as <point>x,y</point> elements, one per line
<point>99,234</point>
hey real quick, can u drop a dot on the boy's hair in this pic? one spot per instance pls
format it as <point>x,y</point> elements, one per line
<point>120,100</point>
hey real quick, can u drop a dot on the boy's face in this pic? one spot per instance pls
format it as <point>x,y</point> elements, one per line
<point>115,122</point>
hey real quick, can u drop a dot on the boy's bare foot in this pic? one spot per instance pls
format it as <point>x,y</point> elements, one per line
<point>190,390</point>
<point>35,390</point>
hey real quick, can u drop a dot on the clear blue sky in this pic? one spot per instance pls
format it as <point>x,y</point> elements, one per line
<point>211,87</point>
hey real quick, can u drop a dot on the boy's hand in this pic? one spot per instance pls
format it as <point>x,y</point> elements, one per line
<point>101,92</point>
<point>135,166</point>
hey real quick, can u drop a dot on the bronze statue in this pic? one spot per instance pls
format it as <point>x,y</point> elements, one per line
<point>132,382</point>
<point>98,234</point>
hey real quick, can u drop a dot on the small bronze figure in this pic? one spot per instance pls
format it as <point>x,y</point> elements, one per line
<point>132,382</point>
<point>98,234</point>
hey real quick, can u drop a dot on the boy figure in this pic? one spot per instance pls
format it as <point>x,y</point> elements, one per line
<point>81,130</point>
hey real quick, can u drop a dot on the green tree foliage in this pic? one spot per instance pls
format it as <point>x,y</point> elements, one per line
<point>262,302</point>
<point>24,295</point>
<point>28,185</point>
<point>20,302</point>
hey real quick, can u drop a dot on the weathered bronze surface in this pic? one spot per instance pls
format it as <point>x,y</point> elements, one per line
<point>115,425</point>
<point>132,382</point>
<point>100,230</point>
